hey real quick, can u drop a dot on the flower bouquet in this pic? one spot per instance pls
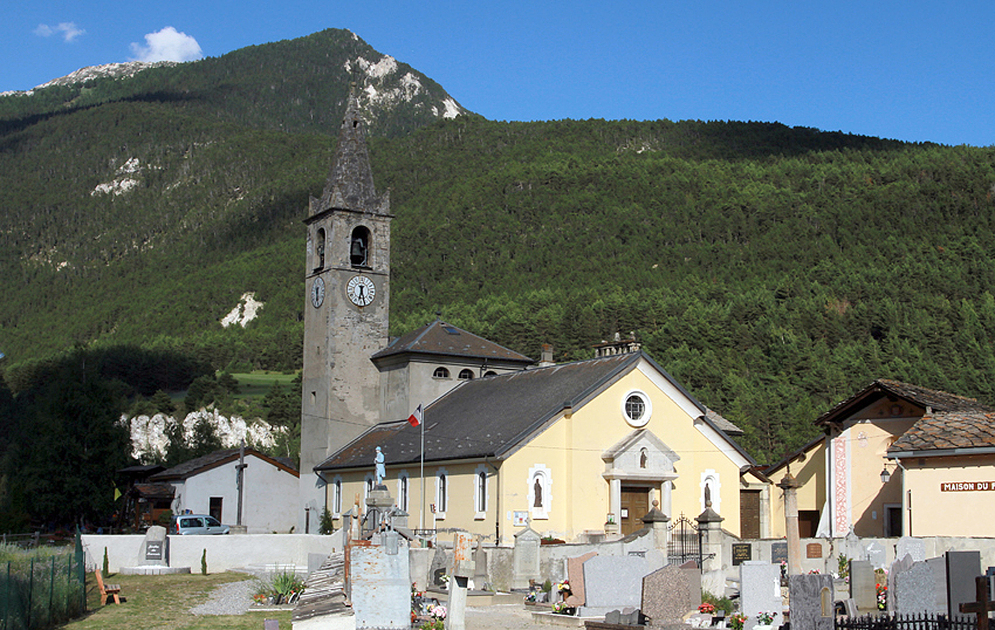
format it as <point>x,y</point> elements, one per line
<point>707,609</point>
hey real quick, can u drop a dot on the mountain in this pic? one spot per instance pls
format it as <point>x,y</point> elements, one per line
<point>772,270</point>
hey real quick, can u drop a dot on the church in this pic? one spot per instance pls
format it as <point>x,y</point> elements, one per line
<point>476,436</point>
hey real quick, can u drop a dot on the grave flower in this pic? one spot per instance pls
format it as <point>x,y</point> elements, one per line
<point>765,618</point>
<point>563,587</point>
<point>736,621</point>
<point>439,612</point>
<point>706,609</point>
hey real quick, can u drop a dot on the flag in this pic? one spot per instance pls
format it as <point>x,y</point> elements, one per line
<point>117,493</point>
<point>415,418</point>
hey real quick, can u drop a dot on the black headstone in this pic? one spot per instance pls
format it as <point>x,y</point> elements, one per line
<point>962,568</point>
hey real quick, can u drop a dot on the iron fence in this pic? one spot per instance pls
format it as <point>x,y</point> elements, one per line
<point>42,591</point>
<point>923,621</point>
<point>685,541</point>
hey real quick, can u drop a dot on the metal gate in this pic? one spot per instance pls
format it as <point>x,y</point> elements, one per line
<point>685,541</point>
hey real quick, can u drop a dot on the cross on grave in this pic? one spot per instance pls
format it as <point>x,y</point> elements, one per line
<point>982,605</point>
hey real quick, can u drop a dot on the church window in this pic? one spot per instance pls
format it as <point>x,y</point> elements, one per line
<point>637,409</point>
<point>319,249</point>
<point>480,492</point>
<point>402,490</point>
<point>359,247</point>
<point>441,493</point>
<point>466,375</point>
<point>440,372</point>
<point>337,496</point>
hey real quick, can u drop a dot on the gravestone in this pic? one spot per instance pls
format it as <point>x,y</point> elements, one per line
<point>877,554</point>
<point>915,547</point>
<point>525,561</point>
<point>438,568</point>
<point>897,568</point>
<point>155,548</point>
<point>480,567</point>
<point>914,592</point>
<point>612,582</point>
<point>463,568</point>
<point>962,568</point>
<point>381,593</point>
<point>670,593</point>
<point>575,575</point>
<point>779,552</point>
<point>760,591</point>
<point>939,588</point>
<point>863,586</point>
<point>741,552</point>
<point>853,548</point>
<point>811,600</point>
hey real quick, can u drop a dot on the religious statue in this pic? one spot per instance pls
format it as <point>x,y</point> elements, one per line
<point>381,472</point>
<point>537,490</point>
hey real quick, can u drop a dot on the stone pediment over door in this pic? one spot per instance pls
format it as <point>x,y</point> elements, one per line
<point>640,460</point>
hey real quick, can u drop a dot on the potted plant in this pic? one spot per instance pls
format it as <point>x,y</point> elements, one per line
<point>765,621</point>
<point>736,621</point>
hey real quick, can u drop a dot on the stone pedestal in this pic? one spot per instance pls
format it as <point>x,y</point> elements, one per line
<point>790,488</point>
<point>712,575</point>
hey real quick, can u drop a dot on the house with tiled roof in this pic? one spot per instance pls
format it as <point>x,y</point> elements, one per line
<point>209,485</point>
<point>579,449</point>
<point>881,465</point>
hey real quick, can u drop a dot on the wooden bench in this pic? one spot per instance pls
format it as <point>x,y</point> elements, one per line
<point>107,590</point>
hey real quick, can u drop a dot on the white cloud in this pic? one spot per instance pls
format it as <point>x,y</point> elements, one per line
<point>68,30</point>
<point>167,45</point>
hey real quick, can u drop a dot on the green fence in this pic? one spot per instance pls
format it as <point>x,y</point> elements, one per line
<point>42,590</point>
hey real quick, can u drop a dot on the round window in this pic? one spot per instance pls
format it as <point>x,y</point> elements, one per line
<point>636,409</point>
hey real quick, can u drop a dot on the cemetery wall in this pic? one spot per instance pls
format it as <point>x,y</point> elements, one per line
<point>223,552</point>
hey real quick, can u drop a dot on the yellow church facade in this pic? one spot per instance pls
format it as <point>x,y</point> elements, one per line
<point>578,451</point>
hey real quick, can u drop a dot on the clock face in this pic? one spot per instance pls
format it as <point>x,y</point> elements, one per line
<point>317,292</point>
<point>361,290</point>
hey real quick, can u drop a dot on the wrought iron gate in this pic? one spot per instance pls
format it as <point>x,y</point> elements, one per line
<point>685,541</point>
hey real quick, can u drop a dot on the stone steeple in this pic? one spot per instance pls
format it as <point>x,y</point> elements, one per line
<point>350,183</point>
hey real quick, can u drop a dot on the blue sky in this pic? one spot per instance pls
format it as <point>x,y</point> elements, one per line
<point>911,70</point>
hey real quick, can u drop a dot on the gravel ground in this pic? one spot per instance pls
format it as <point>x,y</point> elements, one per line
<point>228,599</point>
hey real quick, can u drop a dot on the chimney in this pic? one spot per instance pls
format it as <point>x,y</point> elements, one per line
<point>547,355</point>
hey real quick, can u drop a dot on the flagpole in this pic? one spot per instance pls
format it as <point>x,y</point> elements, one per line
<point>422,423</point>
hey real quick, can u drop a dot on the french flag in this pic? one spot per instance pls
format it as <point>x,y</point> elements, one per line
<point>416,418</point>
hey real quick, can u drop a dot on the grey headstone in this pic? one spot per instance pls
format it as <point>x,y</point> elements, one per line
<point>760,591</point>
<point>612,582</point>
<point>850,605</point>
<point>914,592</point>
<point>439,567</point>
<point>381,593</point>
<point>155,548</point>
<point>877,554</point>
<point>898,567</point>
<point>863,586</point>
<point>853,547</point>
<point>811,599</point>
<point>914,547</point>
<point>613,617</point>
<point>525,558</point>
<point>670,593</point>
<point>939,587</point>
<point>962,568</point>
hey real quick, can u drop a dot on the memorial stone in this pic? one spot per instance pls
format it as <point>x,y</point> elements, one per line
<point>525,561</point>
<point>154,550</point>
<point>898,567</point>
<point>381,593</point>
<point>575,575</point>
<point>914,547</point>
<point>811,600</point>
<point>612,582</point>
<point>863,586</point>
<point>438,568</point>
<point>779,552</point>
<point>670,593</point>
<point>939,588</point>
<point>877,554</point>
<point>962,568</point>
<point>741,552</point>
<point>914,592</point>
<point>760,591</point>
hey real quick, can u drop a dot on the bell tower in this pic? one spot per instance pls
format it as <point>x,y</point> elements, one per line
<point>346,312</point>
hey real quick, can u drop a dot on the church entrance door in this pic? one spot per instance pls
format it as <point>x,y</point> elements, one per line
<point>635,505</point>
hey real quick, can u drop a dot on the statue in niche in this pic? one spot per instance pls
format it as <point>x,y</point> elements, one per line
<point>537,488</point>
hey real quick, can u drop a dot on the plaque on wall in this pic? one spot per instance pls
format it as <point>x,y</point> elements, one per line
<point>741,552</point>
<point>813,550</point>
<point>779,552</point>
<point>153,550</point>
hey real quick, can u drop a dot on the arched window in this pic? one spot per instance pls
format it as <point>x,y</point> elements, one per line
<point>359,247</point>
<point>490,373</point>
<point>441,493</point>
<point>466,375</point>
<point>402,490</point>
<point>440,372</point>
<point>319,249</point>
<point>480,492</point>
<point>337,496</point>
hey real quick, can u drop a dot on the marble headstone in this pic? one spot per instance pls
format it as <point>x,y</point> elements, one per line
<point>915,591</point>
<point>612,582</point>
<point>863,586</point>
<point>381,593</point>
<point>962,568</point>
<point>760,591</point>
<point>877,554</point>
<point>575,575</point>
<point>915,547</point>
<point>811,599</point>
<point>939,588</point>
<point>525,558</point>
<point>671,592</point>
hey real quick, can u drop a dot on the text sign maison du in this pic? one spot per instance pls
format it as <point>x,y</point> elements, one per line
<point>967,486</point>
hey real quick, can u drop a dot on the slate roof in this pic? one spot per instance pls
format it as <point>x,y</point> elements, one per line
<point>938,401</point>
<point>492,416</point>
<point>153,490</point>
<point>440,338</point>
<point>727,427</point>
<point>947,431</point>
<point>218,458</point>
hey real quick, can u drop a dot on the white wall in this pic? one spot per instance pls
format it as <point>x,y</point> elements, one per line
<point>269,498</point>
<point>223,552</point>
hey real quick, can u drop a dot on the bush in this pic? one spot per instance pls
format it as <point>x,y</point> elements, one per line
<point>720,603</point>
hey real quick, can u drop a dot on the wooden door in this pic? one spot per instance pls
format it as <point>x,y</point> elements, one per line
<point>635,505</point>
<point>749,514</point>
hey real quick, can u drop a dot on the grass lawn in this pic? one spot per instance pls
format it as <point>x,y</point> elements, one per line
<point>257,384</point>
<point>163,602</point>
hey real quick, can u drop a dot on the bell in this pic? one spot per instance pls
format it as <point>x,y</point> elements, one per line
<point>358,252</point>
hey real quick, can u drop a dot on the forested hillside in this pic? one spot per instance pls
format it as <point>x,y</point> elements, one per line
<point>772,270</point>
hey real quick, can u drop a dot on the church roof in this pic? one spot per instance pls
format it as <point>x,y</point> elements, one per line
<point>947,433</point>
<point>218,458</point>
<point>492,416</point>
<point>921,396</point>
<point>440,338</point>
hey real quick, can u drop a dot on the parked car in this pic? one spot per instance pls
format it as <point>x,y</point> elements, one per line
<point>188,524</point>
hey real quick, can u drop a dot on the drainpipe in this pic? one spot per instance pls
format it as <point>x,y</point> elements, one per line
<point>497,502</point>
